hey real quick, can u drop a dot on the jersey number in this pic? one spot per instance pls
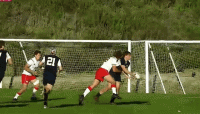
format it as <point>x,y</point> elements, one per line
<point>51,61</point>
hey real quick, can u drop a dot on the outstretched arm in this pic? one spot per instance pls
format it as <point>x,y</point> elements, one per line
<point>124,69</point>
<point>10,61</point>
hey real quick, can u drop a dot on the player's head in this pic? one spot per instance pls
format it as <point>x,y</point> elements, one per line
<point>117,54</point>
<point>53,51</point>
<point>127,55</point>
<point>37,54</point>
<point>2,44</point>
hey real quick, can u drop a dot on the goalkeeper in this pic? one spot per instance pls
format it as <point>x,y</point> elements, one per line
<point>117,75</point>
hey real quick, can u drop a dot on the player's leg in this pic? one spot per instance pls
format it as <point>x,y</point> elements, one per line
<point>118,88</point>
<point>47,90</point>
<point>22,90</point>
<point>102,91</point>
<point>36,87</point>
<point>88,90</point>
<point>1,75</point>
<point>25,82</point>
<point>48,82</point>
<point>117,78</point>
<point>110,79</point>
<point>1,79</point>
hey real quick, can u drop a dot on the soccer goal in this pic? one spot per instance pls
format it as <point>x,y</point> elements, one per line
<point>80,59</point>
<point>172,66</point>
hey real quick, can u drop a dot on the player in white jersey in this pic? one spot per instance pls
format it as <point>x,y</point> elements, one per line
<point>29,75</point>
<point>117,75</point>
<point>102,73</point>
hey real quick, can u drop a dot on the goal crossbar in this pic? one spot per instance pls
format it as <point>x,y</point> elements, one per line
<point>76,41</point>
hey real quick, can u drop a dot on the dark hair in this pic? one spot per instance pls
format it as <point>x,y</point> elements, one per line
<point>36,52</point>
<point>126,53</point>
<point>117,54</point>
<point>2,43</point>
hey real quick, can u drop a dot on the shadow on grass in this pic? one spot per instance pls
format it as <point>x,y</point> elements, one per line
<point>134,102</point>
<point>17,105</point>
<point>28,101</point>
<point>65,105</point>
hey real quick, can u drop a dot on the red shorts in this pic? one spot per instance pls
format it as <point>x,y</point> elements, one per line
<point>26,79</point>
<point>101,73</point>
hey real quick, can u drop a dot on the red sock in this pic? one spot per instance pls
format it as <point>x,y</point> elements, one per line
<point>113,85</point>
<point>89,88</point>
<point>36,88</point>
<point>19,93</point>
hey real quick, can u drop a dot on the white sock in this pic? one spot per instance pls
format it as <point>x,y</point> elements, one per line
<point>16,96</point>
<point>114,90</point>
<point>86,92</point>
<point>34,90</point>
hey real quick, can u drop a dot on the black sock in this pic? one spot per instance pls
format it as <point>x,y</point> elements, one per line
<point>112,99</point>
<point>45,95</point>
<point>98,94</point>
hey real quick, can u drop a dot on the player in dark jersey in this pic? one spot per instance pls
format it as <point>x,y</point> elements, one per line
<point>117,75</point>
<point>49,76</point>
<point>101,73</point>
<point>4,58</point>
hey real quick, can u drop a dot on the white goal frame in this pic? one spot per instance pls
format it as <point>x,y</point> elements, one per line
<point>147,43</point>
<point>76,41</point>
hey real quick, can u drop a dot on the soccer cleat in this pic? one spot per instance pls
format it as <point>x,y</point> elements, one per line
<point>114,96</point>
<point>14,100</point>
<point>112,103</point>
<point>96,98</point>
<point>81,98</point>
<point>33,97</point>
<point>45,105</point>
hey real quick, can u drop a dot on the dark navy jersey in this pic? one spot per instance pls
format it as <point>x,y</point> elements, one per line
<point>3,61</point>
<point>51,63</point>
<point>123,62</point>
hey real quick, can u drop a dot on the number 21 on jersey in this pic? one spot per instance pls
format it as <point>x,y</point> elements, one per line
<point>51,61</point>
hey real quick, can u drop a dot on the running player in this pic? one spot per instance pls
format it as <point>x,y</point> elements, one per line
<point>4,58</point>
<point>102,73</point>
<point>117,75</point>
<point>29,75</point>
<point>49,76</point>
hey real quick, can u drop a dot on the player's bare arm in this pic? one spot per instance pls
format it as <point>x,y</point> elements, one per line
<point>126,71</point>
<point>29,70</point>
<point>10,61</point>
<point>60,69</point>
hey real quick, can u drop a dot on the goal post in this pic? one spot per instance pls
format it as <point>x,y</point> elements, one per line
<point>177,61</point>
<point>80,58</point>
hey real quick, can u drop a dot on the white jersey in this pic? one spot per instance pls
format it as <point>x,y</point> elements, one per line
<point>110,62</point>
<point>33,63</point>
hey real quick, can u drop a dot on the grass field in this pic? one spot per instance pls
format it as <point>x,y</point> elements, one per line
<point>66,101</point>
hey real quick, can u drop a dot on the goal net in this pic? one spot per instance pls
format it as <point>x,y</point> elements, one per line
<point>173,66</point>
<point>80,60</point>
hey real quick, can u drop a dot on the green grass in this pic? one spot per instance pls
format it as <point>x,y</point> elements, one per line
<point>67,102</point>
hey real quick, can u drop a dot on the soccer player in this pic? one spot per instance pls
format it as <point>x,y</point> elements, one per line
<point>49,76</point>
<point>117,75</point>
<point>29,75</point>
<point>102,73</point>
<point>4,58</point>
